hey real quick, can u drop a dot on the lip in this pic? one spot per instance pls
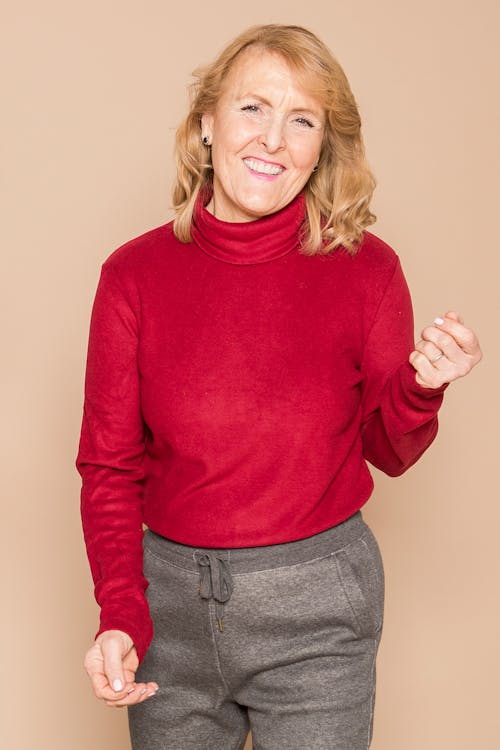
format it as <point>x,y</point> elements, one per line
<point>263,175</point>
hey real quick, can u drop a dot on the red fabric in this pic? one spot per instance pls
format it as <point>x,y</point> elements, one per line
<point>234,390</point>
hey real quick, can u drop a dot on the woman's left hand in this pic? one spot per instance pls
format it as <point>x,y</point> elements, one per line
<point>447,351</point>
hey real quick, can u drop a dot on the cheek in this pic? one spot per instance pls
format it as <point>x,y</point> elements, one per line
<point>232,136</point>
<point>305,152</point>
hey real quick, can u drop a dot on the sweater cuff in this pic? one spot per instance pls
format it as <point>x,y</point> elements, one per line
<point>416,392</point>
<point>140,632</point>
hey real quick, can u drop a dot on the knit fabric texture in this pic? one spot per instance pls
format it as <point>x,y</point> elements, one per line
<point>235,390</point>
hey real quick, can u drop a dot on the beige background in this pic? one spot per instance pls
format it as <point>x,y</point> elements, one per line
<point>93,92</point>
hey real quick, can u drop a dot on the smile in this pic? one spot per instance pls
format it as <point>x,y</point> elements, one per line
<point>263,167</point>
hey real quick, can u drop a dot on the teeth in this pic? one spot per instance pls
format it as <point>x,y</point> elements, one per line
<point>261,166</point>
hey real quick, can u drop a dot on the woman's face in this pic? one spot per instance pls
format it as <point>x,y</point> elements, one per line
<point>266,134</point>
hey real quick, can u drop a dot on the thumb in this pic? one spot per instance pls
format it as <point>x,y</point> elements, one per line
<point>114,649</point>
<point>454,316</point>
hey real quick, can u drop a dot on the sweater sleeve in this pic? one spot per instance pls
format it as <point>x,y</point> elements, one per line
<point>399,416</point>
<point>110,462</point>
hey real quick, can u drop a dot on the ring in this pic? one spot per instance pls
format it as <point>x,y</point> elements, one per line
<point>438,356</point>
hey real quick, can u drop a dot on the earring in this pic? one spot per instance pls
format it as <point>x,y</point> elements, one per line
<point>205,140</point>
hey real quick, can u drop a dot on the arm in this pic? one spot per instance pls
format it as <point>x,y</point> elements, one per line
<point>399,415</point>
<point>110,462</point>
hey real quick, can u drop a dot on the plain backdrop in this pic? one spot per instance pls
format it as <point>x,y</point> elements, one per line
<point>92,94</point>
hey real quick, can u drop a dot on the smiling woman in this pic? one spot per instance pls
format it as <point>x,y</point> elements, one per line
<point>245,362</point>
<point>265,127</point>
<point>288,83</point>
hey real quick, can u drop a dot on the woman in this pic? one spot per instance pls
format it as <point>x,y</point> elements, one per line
<point>244,363</point>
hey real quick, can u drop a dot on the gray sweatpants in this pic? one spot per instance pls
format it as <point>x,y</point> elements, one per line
<point>279,639</point>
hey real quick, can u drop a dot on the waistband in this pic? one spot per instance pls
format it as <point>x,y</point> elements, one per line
<point>252,559</point>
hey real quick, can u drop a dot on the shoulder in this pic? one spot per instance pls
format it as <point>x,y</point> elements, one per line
<point>372,256</point>
<point>140,252</point>
<point>375,255</point>
<point>374,266</point>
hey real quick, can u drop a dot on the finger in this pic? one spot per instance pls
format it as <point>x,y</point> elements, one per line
<point>112,652</point>
<point>138,694</point>
<point>130,664</point>
<point>426,374</point>
<point>464,337</point>
<point>431,351</point>
<point>104,691</point>
<point>94,666</point>
<point>446,343</point>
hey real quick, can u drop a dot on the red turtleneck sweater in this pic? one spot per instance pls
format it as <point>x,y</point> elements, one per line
<point>235,389</point>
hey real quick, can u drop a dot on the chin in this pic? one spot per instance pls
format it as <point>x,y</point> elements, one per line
<point>261,207</point>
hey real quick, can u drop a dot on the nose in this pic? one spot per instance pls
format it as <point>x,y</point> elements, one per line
<point>272,136</point>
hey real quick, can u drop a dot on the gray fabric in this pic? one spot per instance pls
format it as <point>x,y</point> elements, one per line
<point>294,660</point>
<point>215,580</point>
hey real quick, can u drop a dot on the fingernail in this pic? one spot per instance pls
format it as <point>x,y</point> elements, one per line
<point>439,321</point>
<point>117,685</point>
<point>130,690</point>
<point>153,692</point>
<point>143,691</point>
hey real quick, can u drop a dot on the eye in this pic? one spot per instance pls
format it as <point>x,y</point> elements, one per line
<point>304,122</point>
<point>250,108</point>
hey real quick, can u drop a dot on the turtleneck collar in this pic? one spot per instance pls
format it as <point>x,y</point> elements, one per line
<point>248,242</point>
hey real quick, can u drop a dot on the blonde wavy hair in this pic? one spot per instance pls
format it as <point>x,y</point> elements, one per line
<point>338,194</point>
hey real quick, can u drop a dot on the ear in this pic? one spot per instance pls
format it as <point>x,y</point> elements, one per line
<point>207,125</point>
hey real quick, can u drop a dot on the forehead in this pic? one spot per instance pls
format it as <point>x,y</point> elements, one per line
<point>255,69</point>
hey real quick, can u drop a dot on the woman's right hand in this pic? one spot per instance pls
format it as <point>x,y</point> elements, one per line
<point>111,664</point>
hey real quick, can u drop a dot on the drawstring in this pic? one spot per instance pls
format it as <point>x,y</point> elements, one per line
<point>215,581</point>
